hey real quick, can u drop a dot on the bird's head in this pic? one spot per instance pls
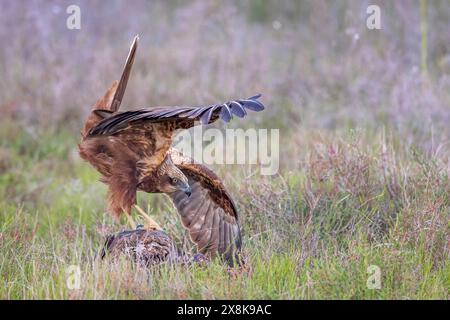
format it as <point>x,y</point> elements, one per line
<point>172,179</point>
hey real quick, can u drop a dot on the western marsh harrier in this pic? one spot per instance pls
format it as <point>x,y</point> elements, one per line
<point>132,151</point>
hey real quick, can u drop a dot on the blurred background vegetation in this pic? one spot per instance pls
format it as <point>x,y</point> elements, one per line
<point>316,62</point>
<point>364,131</point>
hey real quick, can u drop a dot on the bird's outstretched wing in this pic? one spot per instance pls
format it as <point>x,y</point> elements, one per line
<point>149,132</point>
<point>183,117</point>
<point>209,213</point>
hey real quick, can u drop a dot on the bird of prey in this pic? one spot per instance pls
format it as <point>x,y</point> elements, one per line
<point>132,151</point>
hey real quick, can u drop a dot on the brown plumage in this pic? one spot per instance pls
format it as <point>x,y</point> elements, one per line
<point>146,247</point>
<point>132,150</point>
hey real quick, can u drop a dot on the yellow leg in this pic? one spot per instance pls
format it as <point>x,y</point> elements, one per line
<point>149,224</point>
<point>131,221</point>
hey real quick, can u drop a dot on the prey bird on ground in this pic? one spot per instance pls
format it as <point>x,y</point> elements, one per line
<point>132,151</point>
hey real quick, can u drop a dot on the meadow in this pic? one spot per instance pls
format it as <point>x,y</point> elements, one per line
<point>363,188</point>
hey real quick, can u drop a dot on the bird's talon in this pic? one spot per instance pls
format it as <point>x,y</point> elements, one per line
<point>149,224</point>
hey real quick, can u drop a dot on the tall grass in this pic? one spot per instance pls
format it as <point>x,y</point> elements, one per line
<point>364,164</point>
<point>310,232</point>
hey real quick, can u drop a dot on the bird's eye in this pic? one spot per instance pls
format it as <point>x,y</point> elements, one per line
<point>174,180</point>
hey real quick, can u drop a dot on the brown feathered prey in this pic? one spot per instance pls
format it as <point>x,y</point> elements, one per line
<point>147,248</point>
<point>132,151</point>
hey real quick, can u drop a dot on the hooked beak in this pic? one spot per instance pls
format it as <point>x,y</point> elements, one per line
<point>187,190</point>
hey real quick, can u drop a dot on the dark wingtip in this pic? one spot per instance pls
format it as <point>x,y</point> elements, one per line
<point>252,103</point>
<point>255,97</point>
<point>122,85</point>
<point>225,113</point>
<point>237,108</point>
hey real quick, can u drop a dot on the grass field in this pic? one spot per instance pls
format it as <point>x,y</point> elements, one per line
<point>364,171</point>
<point>308,233</point>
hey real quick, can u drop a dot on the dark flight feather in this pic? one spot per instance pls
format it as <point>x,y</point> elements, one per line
<point>205,114</point>
<point>118,96</point>
<point>237,109</point>
<point>209,213</point>
<point>225,113</point>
